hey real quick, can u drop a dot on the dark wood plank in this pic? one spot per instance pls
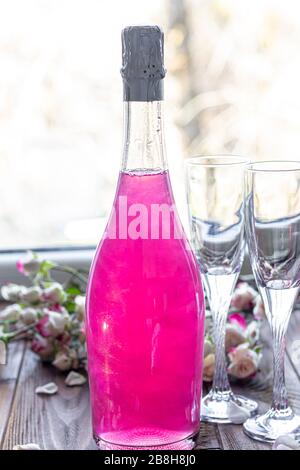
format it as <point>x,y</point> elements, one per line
<point>208,437</point>
<point>9,374</point>
<point>60,421</point>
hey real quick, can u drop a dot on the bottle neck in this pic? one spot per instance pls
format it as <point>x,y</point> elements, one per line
<point>144,143</point>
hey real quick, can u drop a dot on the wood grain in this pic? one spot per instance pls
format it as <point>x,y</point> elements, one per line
<point>62,421</point>
<point>9,374</point>
<point>208,437</point>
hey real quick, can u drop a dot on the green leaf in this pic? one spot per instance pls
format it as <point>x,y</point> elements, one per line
<point>70,306</point>
<point>73,290</point>
<point>45,267</point>
<point>47,284</point>
<point>209,338</point>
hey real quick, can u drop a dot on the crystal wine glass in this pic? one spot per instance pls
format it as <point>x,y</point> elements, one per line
<point>215,194</point>
<point>273,237</point>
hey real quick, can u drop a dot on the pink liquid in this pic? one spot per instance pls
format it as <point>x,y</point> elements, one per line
<point>144,329</point>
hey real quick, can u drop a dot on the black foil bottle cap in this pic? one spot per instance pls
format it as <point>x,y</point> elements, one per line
<point>143,63</point>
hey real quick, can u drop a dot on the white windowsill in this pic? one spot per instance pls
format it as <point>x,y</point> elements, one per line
<point>79,258</point>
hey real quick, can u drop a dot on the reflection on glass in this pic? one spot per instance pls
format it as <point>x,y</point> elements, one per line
<point>273,235</point>
<point>215,193</point>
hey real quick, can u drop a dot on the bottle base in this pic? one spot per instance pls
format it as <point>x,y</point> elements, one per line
<point>145,439</point>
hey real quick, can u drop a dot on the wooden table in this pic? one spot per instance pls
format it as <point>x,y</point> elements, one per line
<point>62,421</point>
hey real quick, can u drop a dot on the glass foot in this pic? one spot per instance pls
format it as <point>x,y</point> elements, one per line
<point>274,423</point>
<point>225,407</point>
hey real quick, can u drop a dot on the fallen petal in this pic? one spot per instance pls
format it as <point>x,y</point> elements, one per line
<point>29,446</point>
<point>74,378</point>
<point>47,389</point>
<point>286,442</point>
<point>238,415</point>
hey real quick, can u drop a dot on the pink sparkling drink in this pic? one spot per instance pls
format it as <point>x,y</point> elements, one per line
<point>145,307</point>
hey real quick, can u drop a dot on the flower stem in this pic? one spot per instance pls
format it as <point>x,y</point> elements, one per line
<point>73,272</point>
<point>14,334</point>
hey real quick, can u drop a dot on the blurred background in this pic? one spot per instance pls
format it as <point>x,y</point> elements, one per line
<point>232,87</point>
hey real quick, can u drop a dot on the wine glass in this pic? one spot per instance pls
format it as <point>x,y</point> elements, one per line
<point>215,194</point>
<point>273,237</point>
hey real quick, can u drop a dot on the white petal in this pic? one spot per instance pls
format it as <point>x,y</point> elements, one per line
<point>62,361</point>
<point>12,292</point>
<point>47,389</point>
<point>80,306</point>
<point>11,313</point>
<point>32,294</point>
<point>286,442</point>
<point>29,315</point>
<point>238,415</point>
<point>29,446</point>
<point>74,378</point>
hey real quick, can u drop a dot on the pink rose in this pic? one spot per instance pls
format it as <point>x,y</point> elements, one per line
<point>29,315</point>
<point>64,338</point>
<point>31,295</point>
<point>55,293</point>
<point>252,333</point>
<point>42,327</point>
<point>53,323</point>
<point>12,292</point>
<point>57,308</point>
<point>243,297</point>
<point>29,265</point>
<point>238,319</point>
<point>259,309</point>
<point>244,362</point>
<point>233,337</point>
<point>43,347</point>
<point>11,313</point>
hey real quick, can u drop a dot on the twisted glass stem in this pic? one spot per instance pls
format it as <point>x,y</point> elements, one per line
<point>280,399</point>
<point>220,381</point>
<point>279,305</point>
<point>219,288</point>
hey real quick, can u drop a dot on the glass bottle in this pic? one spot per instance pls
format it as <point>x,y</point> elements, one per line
<point>145,307</point>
